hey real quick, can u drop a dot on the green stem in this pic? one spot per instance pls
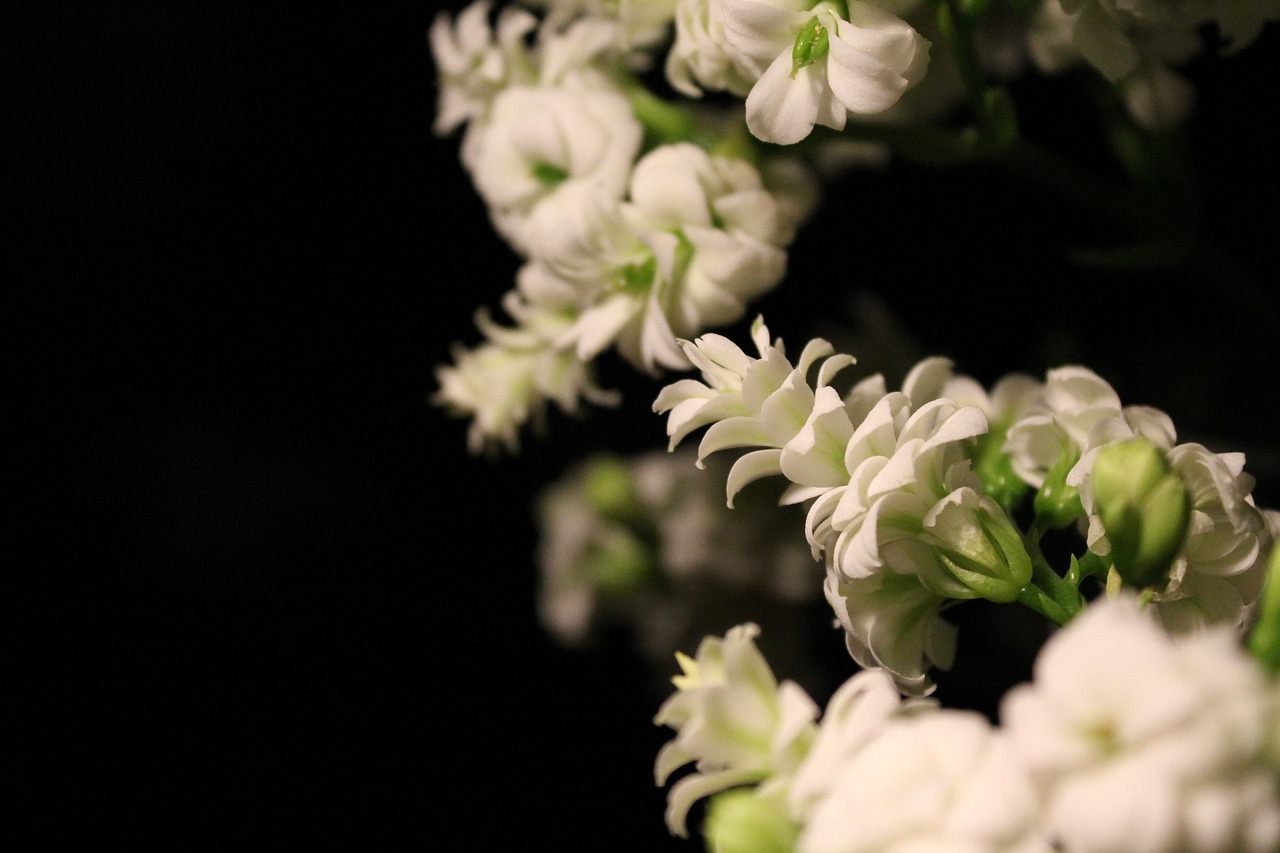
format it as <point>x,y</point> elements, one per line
<point>1041,602</point>
<point>959,35</point>
<point>1063,592</point>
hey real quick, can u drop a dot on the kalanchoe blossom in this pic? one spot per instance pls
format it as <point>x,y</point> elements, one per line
<point>641,23</point>
<point>700,58</point>
<point>646,543</point>
<point>1217,576</point>
<point>746,401</point>
<point>539,144</point>
<point>818,65</point>
<point>1138,44</point>
<point>475,62</point>
<point>733,720</point>
<point>857,712</point>
<point>507,382</point>
<point>712,238</point>
<point>1143,741</point>
<point>940,781</point>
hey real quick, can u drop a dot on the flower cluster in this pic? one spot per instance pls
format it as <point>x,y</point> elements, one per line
<point>642,211</point>
<point>645,542</point>
<point>941,492</point>
<point>1127,738</point>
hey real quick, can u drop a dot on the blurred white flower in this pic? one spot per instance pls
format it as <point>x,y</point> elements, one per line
<point>1141,741</point>
<point>474,62</point>
<point>647,542</point>
<point>817,65</point>
<point>700,58</point>
<point>539,144</point>
<point>733,719</point>
<point>856,713</point>
<point>940,781</point>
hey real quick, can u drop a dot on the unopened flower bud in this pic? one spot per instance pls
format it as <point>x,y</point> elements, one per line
<point>620,561</point>
<point>608,488</point>
<point>980,552</point>
<point>1144,508</point>
<point>742,821</point>
<point>1058,504</point>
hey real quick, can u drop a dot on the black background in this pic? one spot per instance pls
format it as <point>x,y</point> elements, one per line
<point>276,603</point>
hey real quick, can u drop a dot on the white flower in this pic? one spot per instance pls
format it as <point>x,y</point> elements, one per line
<point>892,622</point>
<point>714,240</point>
<point>1145,742</point>
<point>507,381</point>
<point>1075,400</point>
<point>762,402</point>
<point>1218,574</point>
<point>940,781</point>
<point>857,63</point>
<point>538,143</point>
<point>733,719</point>
<point>1136,43</point>
<point>857,712</point>
<point>646,543</point>
<point>474,63</point>
<point>700,58</point>
<point>641,23</point>
<point>894,467</point>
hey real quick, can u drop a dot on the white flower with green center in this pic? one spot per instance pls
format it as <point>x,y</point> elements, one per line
<point>538,144</point>
<point>733,720</point>
<point>818,64</point>
<point>1140,741</point>
<point>945,781</point>
<point>474,62</point>
<point>714,239</point>
<point>747,402</point>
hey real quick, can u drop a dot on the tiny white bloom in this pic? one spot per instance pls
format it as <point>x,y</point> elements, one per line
<point>712,238</point>
<point>507,381</point>
<point>537,143</point>
<point>733,719</point>
<point>700,58</point>
<point>856,713</point>
<point>475,62</point>
<point>859,61</point>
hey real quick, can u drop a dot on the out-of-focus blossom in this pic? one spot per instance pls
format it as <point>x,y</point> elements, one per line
<point>1143,741</point>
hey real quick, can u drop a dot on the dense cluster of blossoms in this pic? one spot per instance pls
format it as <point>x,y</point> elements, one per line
<point>1127,738</point>
<point>941,492</point>
<point>641,216</point>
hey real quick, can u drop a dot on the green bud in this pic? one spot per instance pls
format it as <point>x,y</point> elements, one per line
<point>811,45</point>
<point>998,478</point>
<point>741,821</point>
<point>980,552</point>
<point>619,561</point>
<point>608,488</point>
<point>1057,504</point>
<point>1264,639</point>
<point>1144,508</point>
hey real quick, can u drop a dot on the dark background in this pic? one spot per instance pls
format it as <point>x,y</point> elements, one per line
<point>275,603</point>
